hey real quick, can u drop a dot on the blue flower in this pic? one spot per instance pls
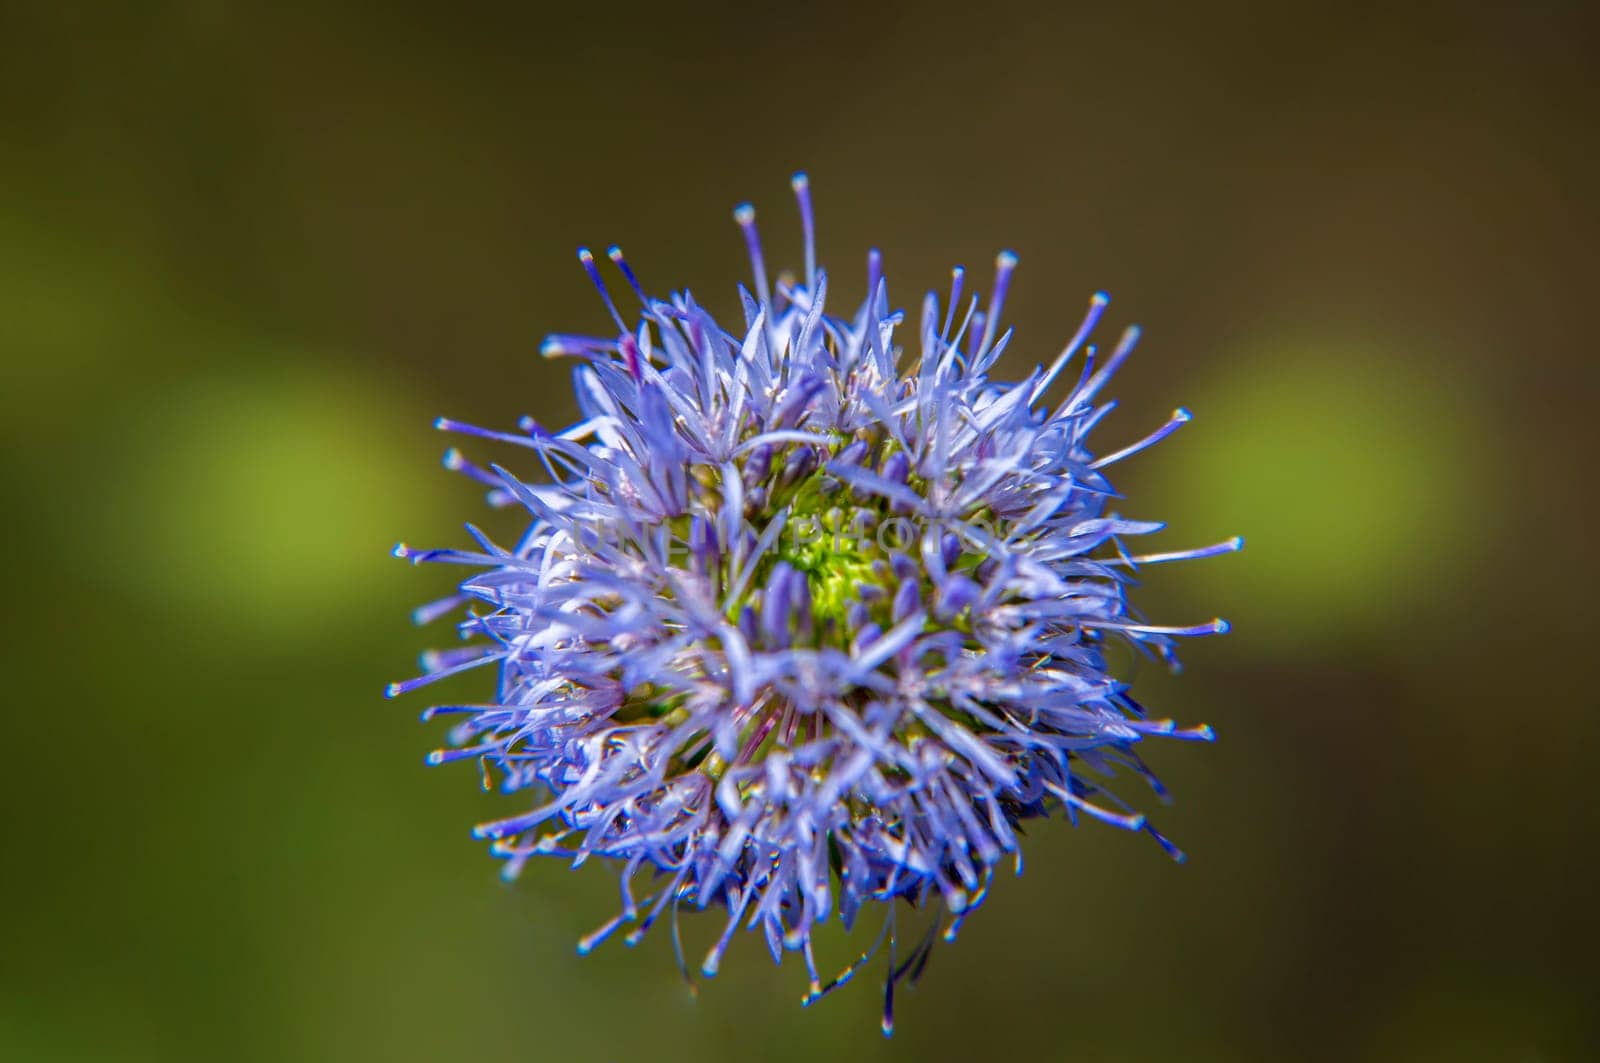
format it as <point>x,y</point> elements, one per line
<point>801,625</point>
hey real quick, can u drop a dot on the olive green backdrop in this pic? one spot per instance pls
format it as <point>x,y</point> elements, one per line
<point>248,252</point>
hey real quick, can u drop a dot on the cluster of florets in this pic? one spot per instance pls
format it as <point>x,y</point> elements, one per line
<point>797,627</point>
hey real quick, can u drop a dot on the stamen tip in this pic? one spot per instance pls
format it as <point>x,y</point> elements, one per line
<point>1182,415</point>
<point>585,256</point>
<point>392,690</point>
<point>1006,260</point>
<point>744,214</point>
<point>799,182</point>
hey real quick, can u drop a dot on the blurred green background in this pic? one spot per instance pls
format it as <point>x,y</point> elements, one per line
<point>248,252</point>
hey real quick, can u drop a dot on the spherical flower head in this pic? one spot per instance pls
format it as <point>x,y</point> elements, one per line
<point>803,625</point>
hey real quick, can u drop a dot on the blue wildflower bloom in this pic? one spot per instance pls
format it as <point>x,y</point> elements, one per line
<point>798,628</point>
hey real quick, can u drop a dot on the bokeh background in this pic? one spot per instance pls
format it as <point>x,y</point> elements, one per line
<point>247,253</point>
